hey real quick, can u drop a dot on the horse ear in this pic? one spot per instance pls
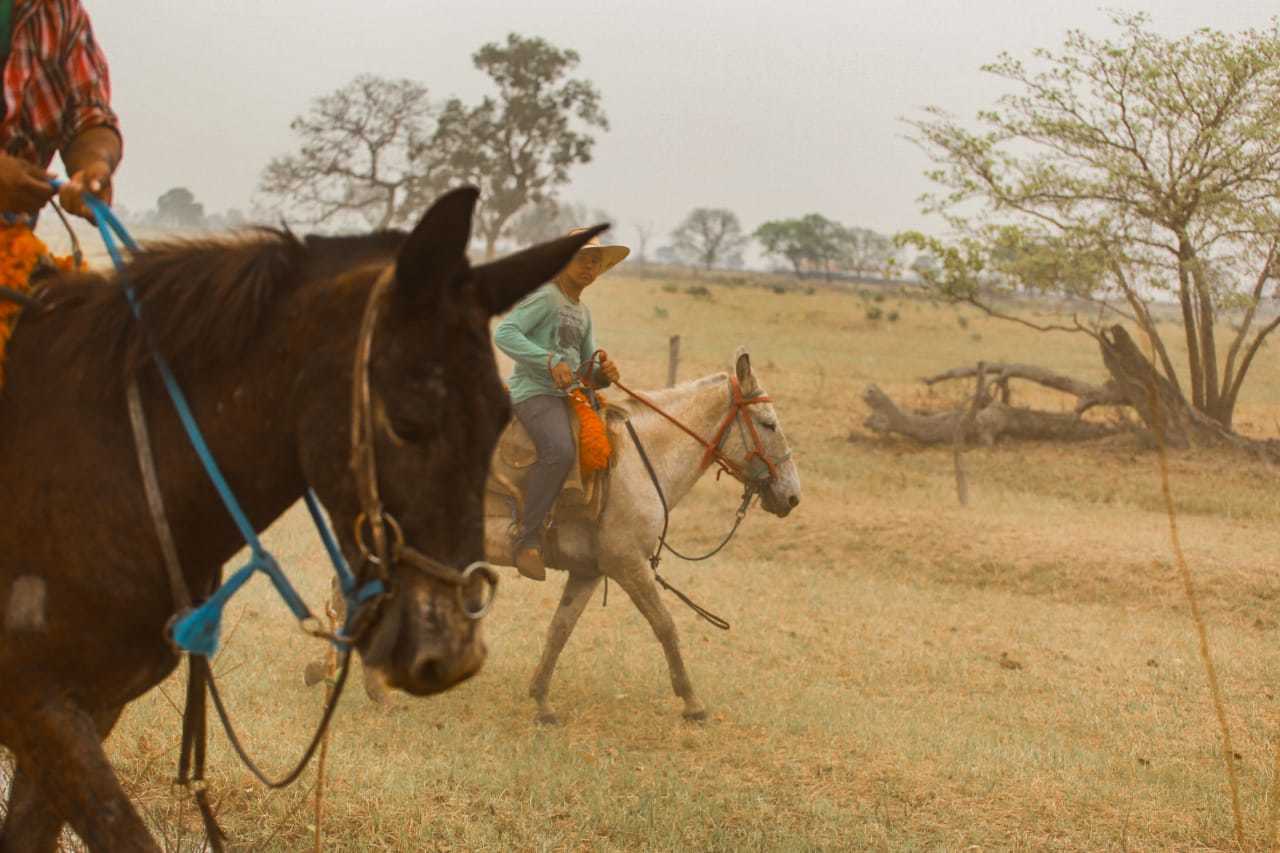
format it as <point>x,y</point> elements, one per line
<point>742,368</point>
<point>437,248</point>
<point>503,283</point>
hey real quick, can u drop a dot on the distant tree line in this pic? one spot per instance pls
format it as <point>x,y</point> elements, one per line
<point>178,210</point>
<point>712,237</point>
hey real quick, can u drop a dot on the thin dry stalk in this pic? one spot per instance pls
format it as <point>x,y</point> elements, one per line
<point>331,665</point>
<point>964,424</point>
<point>1273,811</point>
<point>1202,631</point>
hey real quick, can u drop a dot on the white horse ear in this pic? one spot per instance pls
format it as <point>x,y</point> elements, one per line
<point>742,368</point>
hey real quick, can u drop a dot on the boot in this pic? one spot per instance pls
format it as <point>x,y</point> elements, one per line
<point>529,563</point>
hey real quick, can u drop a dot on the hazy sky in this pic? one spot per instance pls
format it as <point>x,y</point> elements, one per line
<point>771,109</point>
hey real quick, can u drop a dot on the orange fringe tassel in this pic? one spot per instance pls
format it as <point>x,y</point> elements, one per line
<point>593,439</point>
<point>20,253</point>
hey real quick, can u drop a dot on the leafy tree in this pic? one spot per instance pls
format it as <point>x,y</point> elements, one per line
<point>1119,170</point>
<point>788,239</point>
<point>178,208</point>
<point>864,252</point>
<point>363,154</point>
<point>815,242</point>
<point>519,145</point>
<point>709,235</point>
<point>925,265</point>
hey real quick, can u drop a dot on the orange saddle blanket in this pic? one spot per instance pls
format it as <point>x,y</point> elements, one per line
<point>21,252</point>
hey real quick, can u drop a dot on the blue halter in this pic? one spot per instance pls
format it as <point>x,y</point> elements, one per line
<point>196,631</point>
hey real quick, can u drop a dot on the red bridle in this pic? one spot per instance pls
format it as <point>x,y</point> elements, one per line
<point>714,452</point>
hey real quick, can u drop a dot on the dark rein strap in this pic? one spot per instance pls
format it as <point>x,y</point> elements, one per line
<point>200,680</point>
<point>656,557</point>
<point>292,776</point>
<point>195,730</point>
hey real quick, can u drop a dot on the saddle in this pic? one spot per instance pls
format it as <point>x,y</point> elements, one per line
<point>581,498</point>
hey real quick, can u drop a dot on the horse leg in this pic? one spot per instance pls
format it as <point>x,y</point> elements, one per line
<point>577,592</point>
<point>60,750</point>
<point>32,825</point>
<point>639,586</point>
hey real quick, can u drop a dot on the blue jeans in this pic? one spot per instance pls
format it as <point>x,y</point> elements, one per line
<point>546,419</point>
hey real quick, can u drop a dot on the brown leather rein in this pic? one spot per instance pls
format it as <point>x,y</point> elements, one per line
<point>389,548</point>
<point>714,448</point>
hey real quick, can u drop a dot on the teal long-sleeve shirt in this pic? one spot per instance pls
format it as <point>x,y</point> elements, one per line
<point>544,329</point>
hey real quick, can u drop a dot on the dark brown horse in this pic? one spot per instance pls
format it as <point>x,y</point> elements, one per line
<point>260,334</point>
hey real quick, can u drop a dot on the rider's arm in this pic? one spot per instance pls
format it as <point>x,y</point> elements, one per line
<point>89,120</point>
<point>512,334</point>
<point>93,144</point>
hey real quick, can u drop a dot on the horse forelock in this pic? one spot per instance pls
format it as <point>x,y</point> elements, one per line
<point>202,300</point>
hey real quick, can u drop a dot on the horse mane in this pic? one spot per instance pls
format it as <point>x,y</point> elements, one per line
<point>202,300</point>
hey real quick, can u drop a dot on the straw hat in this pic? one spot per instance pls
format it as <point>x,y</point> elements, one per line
<point>610,256</point>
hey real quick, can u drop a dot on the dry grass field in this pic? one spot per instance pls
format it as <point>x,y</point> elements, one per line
<point>902,673</point>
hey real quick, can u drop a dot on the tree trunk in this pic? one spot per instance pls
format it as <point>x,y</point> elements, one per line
<point>995,420</point>
<point>1156,400</point>
<point>1189,329</point>
<point>1208,344</point>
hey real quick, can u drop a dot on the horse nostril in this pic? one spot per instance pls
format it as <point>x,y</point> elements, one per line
<point>794,501</point>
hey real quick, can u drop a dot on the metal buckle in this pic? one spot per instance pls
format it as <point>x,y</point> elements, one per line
<point>396,545</point>
<point>489,576</point>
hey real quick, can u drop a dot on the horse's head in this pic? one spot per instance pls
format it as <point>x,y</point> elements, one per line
<point>763,446</point>
<point>435,409</point>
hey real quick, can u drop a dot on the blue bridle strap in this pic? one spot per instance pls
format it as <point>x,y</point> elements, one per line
<point>197,630</point>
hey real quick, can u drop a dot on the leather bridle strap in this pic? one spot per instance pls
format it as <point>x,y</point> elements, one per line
<point>364,462</point>
<point>388,547</point>
<point>191,755</point>
<point>155,499</point>
<point>713,448</point>
<point>739,402</point>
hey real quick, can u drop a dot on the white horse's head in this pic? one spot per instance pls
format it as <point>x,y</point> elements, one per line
<point>758,440</point>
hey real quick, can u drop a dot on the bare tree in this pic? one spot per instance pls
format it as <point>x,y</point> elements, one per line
<point>709,235</point>
<point>644,233</point>
<point>518,146</point>
<point>363,154</point>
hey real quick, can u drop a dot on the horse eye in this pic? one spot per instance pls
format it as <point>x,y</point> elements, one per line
<point>769,425</point>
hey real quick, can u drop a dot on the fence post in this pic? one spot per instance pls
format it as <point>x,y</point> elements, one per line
<point>673,360</point>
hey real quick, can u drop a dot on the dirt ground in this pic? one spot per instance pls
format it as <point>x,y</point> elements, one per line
<point>902,673</point>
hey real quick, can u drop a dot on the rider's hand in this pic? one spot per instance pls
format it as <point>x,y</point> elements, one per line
<point>562,375</point>
<point>24,187</point>
<point>94,178</point>
<point>610,370</point>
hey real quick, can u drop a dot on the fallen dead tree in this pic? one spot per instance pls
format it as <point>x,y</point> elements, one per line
<point>994,419</point>
<point>999,374</point>
<point>989,415</point>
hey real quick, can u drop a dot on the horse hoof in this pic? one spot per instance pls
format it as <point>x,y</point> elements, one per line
<point>547,718</point>
<point>315,673</point>
<point>695,716</point>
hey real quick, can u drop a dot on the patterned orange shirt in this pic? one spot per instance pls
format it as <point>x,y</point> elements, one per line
<point>56,83</point>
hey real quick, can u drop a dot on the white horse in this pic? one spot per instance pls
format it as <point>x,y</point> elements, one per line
<point>730,413</point>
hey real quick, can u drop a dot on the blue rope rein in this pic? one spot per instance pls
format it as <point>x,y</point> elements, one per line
<point>197,631</point>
